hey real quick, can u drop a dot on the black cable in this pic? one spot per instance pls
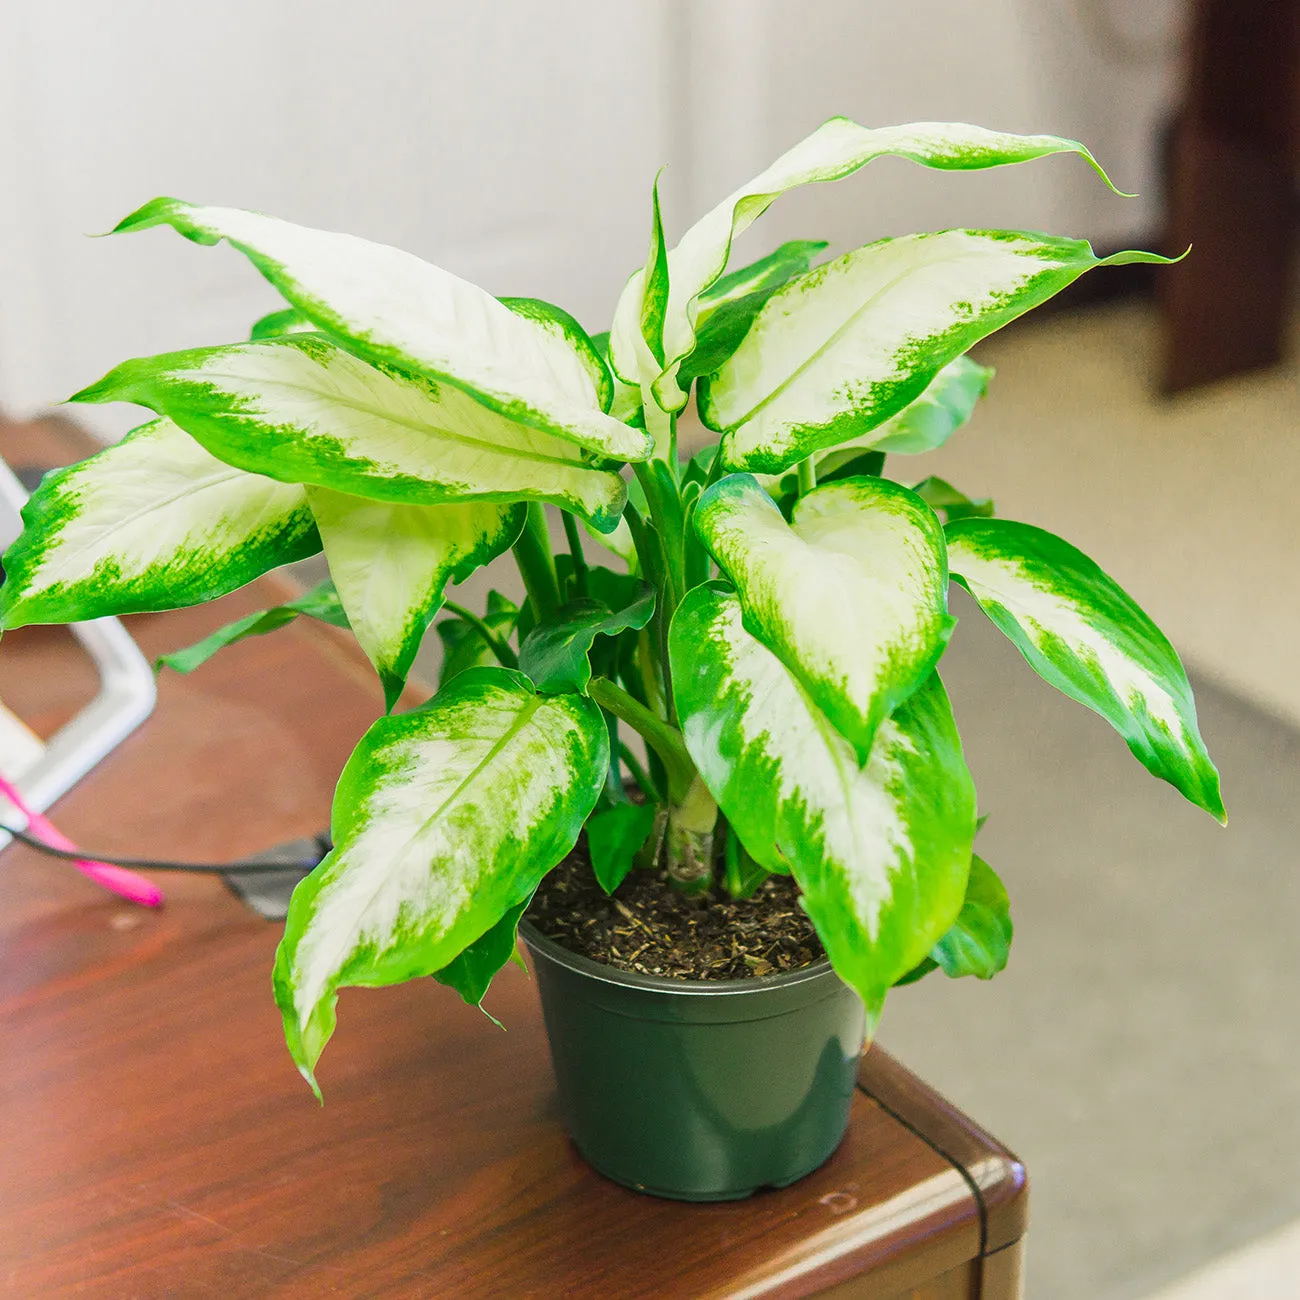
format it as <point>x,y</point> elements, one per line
<point>153,864</point>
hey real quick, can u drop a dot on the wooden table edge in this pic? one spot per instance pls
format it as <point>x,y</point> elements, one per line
<point>997,1178</point>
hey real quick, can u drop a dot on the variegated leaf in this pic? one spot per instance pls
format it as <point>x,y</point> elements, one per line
<point>557,322</point>
<point>321,602</point>
<point>1087,637</point>
<point>836,149</point>
<point>928,421</point>
<point>851,595</point>
<point>153,522</point>
<point>725,320</point>
<point>769,272</point>
<point>444,819</point>
<point>654,295</point>
<point>392,563</point>
<point>625,404</point>
<point>301,409</point>
<point>978,942</point>
<point>394,309</point>
<point>629,357</point>
<point>881,853</point>
<point>287,321</point>
<point>835,352</point>
<point>925,423</point>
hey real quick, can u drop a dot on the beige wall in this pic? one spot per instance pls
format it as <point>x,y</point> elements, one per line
<point>513,142</point>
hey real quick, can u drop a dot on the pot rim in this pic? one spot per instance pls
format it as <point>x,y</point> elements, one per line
<point>557,953</point>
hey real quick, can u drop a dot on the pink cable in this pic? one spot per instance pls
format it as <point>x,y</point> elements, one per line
<point>134,888</point>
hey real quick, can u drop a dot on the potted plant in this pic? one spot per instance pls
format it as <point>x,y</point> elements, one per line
<point>768,621</point>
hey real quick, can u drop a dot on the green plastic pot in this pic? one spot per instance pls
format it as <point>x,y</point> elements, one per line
<point>699,1090</point>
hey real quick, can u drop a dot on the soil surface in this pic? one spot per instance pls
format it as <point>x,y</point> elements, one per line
<point>649,926</point>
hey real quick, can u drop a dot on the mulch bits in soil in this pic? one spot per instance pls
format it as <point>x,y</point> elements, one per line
<point>651,927</point>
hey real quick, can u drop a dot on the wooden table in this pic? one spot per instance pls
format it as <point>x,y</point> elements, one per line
<point>157,1141</point>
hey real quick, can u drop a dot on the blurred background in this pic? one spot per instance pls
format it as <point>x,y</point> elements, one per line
<point>1141,1051</point>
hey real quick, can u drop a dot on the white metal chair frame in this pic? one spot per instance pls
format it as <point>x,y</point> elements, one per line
<point>125,699</point>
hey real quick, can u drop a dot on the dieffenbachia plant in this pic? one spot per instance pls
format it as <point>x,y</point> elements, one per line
<point>767,618</point>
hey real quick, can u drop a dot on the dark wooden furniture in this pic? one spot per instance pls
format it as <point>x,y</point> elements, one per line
<point>1233,174</point>
<point>157,1142</point>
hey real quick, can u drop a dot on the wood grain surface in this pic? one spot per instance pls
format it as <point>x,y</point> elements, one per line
<point>158,1142</point>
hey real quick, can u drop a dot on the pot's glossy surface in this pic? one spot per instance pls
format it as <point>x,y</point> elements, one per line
<point>699,1090</point>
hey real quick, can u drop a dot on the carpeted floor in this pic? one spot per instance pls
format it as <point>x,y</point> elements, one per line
<point>1140,1052</point>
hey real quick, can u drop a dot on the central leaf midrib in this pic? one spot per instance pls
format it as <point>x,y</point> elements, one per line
<point>415,426</point>
<point>532,704</point>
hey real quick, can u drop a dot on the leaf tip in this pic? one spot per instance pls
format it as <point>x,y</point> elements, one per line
<point>1092,162</point>
<point>102,390</point>
<point>1206,792</point>
<point>491,1017</point>
<point>1216,809</point>
<point>310,1075</point>
<point>872,1009</point>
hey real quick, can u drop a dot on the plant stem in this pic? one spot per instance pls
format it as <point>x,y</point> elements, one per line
<point>661,736</point>
<point>649,673</point>
<point>661,426</point>
<point>636,687</point>
<point>807,476</point>
<point>537,564</point>
<point>716,472</point>
<point>496,644</point>
<point>691,822</point>
<point>663,553</point>
<point>614,775</point>
<point>575,553</point>
<point>639,774</point>
<point>698,561</point>
<point>665,502</point>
